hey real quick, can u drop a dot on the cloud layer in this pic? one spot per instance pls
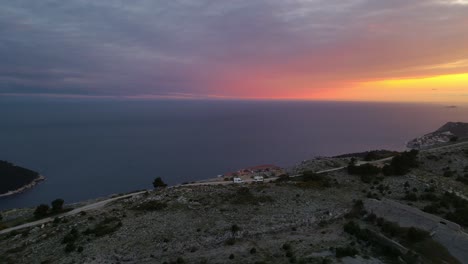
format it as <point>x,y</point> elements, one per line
<point>208,48</point>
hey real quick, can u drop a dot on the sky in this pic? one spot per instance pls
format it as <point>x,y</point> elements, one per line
<point>353,50</point>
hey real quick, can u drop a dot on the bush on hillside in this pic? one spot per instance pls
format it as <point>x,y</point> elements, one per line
<point>402,164</point>
<point>159,183</point>
<point>41,211</point>
<point>365,169</point>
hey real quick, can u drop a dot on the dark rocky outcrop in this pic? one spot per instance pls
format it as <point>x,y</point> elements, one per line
<point>13,178</point>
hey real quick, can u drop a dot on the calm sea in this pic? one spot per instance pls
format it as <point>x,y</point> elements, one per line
<point>88,149</point>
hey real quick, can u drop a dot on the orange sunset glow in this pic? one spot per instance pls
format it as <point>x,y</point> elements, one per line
<point>408,51</point>
<point>443,88</point>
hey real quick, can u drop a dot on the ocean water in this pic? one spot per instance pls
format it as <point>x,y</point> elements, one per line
<point>92,148</point>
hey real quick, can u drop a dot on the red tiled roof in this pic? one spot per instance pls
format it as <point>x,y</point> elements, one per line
<point>252,169</point>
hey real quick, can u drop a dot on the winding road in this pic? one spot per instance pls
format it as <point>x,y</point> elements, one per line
<point>85,208</point>
<point>103,203</point>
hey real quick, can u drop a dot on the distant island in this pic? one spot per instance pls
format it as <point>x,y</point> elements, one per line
<point>15,179</point>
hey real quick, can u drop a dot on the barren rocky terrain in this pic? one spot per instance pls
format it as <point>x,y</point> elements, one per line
<point>316,218</point>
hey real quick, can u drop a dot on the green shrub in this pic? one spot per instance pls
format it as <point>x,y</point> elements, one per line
<point>365,169</point>
<point>230,241</point>
<point>459,216</point>
<point>70,247</point>
<point>356,211</point>
<point>244,196</point>
<point>159,183</point>
<point>416,235</point>
<point>449,173</point>
<point>41,211</point>
<point>391,229</point>
<point>107,226</point>
<point>411,197</point>
<point>346,252</point>
<point>429,197</point>
<point>402,164</point>
<point>150,206</point>
<point>235,229</point>
<point>71,237</point>
<point>433,208</point>
<point>463,180</point>
<point>352,228</point>
<point>57,205</point>
<point>286,246</point>
<point>311,179</point>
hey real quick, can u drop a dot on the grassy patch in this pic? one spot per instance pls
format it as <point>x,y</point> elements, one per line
<point>310,179</point>
<point>17,249</point>
<point>107,226</point>
<point>150,206</point>
<point>346,252</point>
<point>417,240</point>
<point>244,196</point>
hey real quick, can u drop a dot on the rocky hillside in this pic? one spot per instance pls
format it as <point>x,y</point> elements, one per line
<point>367,217</point>
<point>452,131</point>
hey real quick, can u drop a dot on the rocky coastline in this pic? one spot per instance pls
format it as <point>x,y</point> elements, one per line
<point>24,188</point>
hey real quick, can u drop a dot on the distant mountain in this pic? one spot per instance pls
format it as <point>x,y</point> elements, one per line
<point>449,131</point>
<point>14,179</point>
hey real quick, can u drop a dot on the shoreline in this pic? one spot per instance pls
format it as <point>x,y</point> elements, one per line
<point>25,187</point>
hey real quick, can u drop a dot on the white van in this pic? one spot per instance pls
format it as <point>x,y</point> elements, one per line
<point>237,180</point>
<point>258,179</point>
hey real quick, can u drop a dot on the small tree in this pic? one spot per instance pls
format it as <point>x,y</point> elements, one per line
<point>41,211</point>
<point>235,229</point>
<point>159,183</point>
<point>57,205</point>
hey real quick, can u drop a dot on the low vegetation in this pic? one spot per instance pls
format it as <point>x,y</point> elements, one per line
<point>159,183</point>
<point>312,179</point>
<point>107,226</point>
<point>44,210</point>
<point>243,196</point>
<point>150,206</point>
<point>463,179</point>
<point>450,206</point>
<point>348,251</point>
<point>70,239</point>
<point>402,163</point>
<point>413,238</point>
<point>367,172</point>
